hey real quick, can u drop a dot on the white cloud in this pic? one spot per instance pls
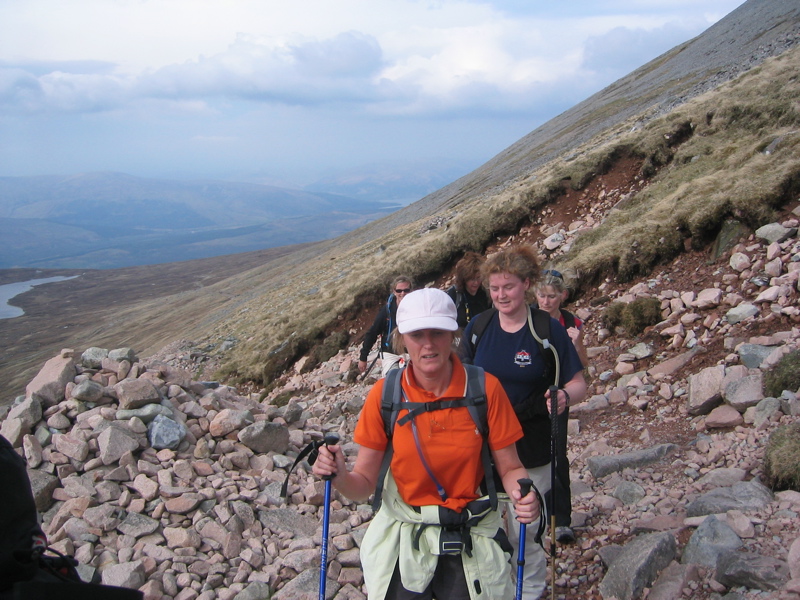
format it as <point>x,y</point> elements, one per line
<point>294,71</point>
<point>460,55</point>
<point>623,49</point>
<point>219,70</point>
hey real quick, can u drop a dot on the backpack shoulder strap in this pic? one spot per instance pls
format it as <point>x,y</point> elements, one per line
<point>390,406</point>
<point>476,398</point>
<point>390,400</point>
<point>541,324</point>
<point>478,406</point>
<point>389,324</point>
<point>456,296</point>
<point>481,321</point>
<point>569,318</point>
<point>541,332</point>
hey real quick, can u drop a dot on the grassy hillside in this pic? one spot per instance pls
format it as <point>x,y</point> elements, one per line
<point>732,152</point>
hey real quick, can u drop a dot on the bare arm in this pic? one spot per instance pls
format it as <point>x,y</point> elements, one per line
<point>511,470</point>
<point>576,335</point>
<point>575,387</point>
<point>357,484</point>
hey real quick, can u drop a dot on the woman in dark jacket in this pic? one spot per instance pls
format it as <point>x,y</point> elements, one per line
<point>468,293</point>
<point>383,325</point>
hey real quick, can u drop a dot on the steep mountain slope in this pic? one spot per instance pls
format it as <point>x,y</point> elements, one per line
<point>743,39</point>
<point>647,462</point>
<point>724,134</point>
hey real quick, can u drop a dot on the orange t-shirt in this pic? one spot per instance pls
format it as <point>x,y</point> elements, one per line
<point>449,438</point>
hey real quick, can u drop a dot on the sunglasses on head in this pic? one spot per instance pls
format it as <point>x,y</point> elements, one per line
<point>553,273</point>
<point>402,291</point>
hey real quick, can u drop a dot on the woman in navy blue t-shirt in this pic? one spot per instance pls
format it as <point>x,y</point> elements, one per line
<point>507,349</point>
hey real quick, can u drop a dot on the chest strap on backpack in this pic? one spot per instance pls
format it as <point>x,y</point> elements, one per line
<point>393,401</point>
<point>417,408</point>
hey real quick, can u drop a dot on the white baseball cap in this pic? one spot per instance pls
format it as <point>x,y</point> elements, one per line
<point>428,308</point>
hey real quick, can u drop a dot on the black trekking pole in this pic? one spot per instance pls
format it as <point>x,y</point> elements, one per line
<point>524,488</point>
<point>553,459</point>
<point>330,439</point>
<point>370,367</point>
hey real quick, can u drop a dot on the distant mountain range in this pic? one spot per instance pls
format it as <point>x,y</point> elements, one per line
<point>396,182</point>
<point>111,220</point>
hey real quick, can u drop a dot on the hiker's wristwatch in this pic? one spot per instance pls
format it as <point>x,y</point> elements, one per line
<point>566,394</point>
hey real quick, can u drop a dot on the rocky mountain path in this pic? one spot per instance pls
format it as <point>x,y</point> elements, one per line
<point>644,399</point>
<point>652,410</point>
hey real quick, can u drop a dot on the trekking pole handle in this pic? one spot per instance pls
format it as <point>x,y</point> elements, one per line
<point>331,439</point>
<point>525,486</point>
<point>553,400</point>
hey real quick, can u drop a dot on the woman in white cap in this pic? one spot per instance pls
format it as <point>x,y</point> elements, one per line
<point>434,470</point>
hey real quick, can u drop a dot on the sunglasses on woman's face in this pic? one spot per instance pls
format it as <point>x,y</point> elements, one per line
<point>400,291</point>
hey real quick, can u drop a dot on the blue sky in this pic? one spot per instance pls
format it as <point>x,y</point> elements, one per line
<point>286,92</point>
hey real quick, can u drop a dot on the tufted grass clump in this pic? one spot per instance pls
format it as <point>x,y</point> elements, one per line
<point>785,375</point>
<point>641,313</point>
<point>282,399</point>
<point>612,316</point>
<point>634,317</point>
<point>286,354</point>
<point>781,467</point>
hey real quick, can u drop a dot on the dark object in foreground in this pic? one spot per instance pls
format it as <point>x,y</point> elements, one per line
<point>29,570</point>
<point>60,590</point>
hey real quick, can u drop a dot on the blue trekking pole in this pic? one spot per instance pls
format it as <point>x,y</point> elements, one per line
<point>330,440</point>
<point>524,488</point>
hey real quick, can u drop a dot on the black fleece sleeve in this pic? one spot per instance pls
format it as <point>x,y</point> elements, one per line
<point>372,334</point>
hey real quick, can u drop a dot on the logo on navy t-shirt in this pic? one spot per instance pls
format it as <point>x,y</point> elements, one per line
<point>522,358</point>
